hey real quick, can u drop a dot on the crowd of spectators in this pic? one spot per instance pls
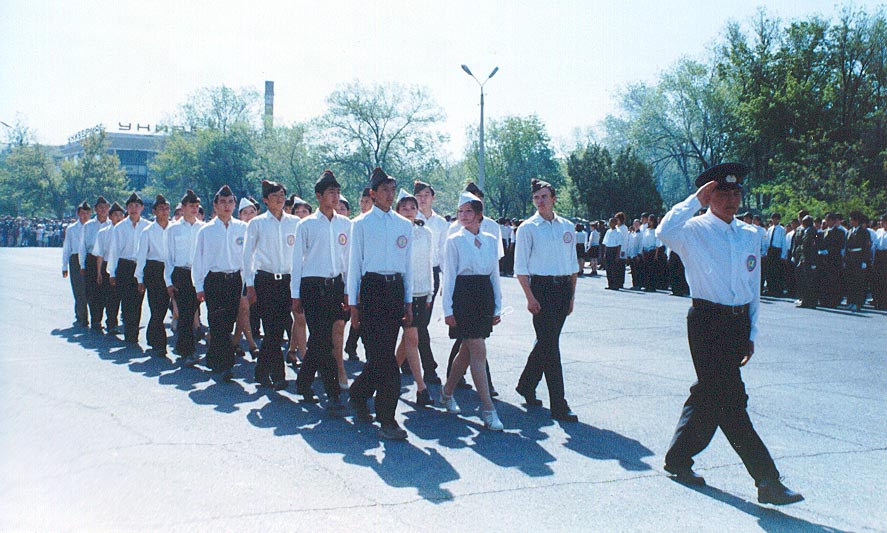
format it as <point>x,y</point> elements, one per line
<point>32,231</point>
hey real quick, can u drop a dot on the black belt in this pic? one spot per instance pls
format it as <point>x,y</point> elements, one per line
<point>149,261</point>
<point>130,261</point>
<point>731,310</point>
<point>554,280</point>
<point>182,268</point>
<point>225,275</point>
<point>277,277</point>
<point>385,278</point>
<point>326,282</point>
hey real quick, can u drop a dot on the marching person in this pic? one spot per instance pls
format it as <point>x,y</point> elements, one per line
<point>248,320</point>
<point>152,252</point>
<point>857,260</point>
<point>472,303</point>
<point>123,249</point>
<point>344,209</point>
<point>722,259</point>
<point>71,261</point>
<point>319,261</point>
<point>422,272</point>
<point>109,295</point>
<point>366,204</point>
<point>380,291</point>
<point>487,225</point>
<point>89,262</point>
<point>439,227</point>
<point>298,326</point>
<point>879,267</point>
<point>546,267</point>
<point>267,265</point>
<point>181,240</point>
<point>215,272</point>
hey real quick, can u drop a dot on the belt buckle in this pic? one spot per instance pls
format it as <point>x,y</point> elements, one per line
<point>278,277</point>
<point>735,310</point>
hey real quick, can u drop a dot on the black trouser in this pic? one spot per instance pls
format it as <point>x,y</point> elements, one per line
<point>615,268</point>
<point>554,295</point>
<point>638,271</point>
<point>110,295</point>
<point>78,288</point>
<point>791,278</point>
<point>829,278</point>
<point>429,365</point>
<point>648,271</point>
<point>158,302</point>
<point>677,279</point>
<point>130,299</point>
<point>93,295</point>
<point>351,343</point>
<point>222,292</point>
<point>322,300</point>
<point>879,280</point>
<point>274,305</point>
<point>186,299</point>
<point>382,305</point>
<point>855,276</point>
<point>805,278</point>
<point>774,271</point>
<point>718,342</point>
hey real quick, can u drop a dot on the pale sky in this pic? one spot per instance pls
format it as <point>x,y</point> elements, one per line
<point>68,65</point>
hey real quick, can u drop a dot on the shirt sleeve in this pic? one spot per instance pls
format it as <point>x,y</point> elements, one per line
<point>408,273</point>
<point>142,255</point>
<point>197,273</point>
<point>169,255</point>
<point>66,249</point>
<point>112,252</point>
<point>249,252</point>
<point>451,256</point>
<point>354,264</point>
<point>497,289</point>
<point>81,249</point>
<point>669,230</point>
<point>523,246</point>
<point>298,254</point>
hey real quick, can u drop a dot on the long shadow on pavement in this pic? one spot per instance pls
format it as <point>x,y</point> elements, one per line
<point>769,519</point>
<point>401,464</point>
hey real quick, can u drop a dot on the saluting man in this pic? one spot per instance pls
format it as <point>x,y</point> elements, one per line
<point>89,262</point>
<point>218,256</point>
<point>546,266</point>
<point>380,290</point>
<point>181,241</point>
<point>124,248</point>
<point>109,295</point>
<point>722,257</point>
<point>320,267</point>
<point>267,263</point>
<point>70,247</point>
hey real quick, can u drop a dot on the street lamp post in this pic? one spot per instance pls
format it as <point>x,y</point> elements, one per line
<point>480,154</point>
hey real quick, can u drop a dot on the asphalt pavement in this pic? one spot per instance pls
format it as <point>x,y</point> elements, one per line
<point>97,435</point>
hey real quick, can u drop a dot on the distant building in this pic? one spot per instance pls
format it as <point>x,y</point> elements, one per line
<point>135,151</point>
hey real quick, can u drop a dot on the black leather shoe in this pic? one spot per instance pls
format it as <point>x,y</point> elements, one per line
<point>423,399</point>
<point>685,475</point>
<point>308,397</point>
<point>352,356</point>
<point>281,385</point>
<point>361,411</point>
<point>564,414</point>
<point>392,431</point>
<point>529,398</point>
<point>431,379</point>
<point>776,493</point>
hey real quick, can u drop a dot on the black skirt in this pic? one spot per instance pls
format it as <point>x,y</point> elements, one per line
<point>473,307</point>
<point>421,313</point>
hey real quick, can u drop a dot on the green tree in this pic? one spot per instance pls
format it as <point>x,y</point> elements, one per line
<point>517,150</point>
<point>219,108</point>
<point>96,171</point>
<point>30,184</point>
<point>283,154</point>
<point>603,185</point>
<point>387,125</point>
